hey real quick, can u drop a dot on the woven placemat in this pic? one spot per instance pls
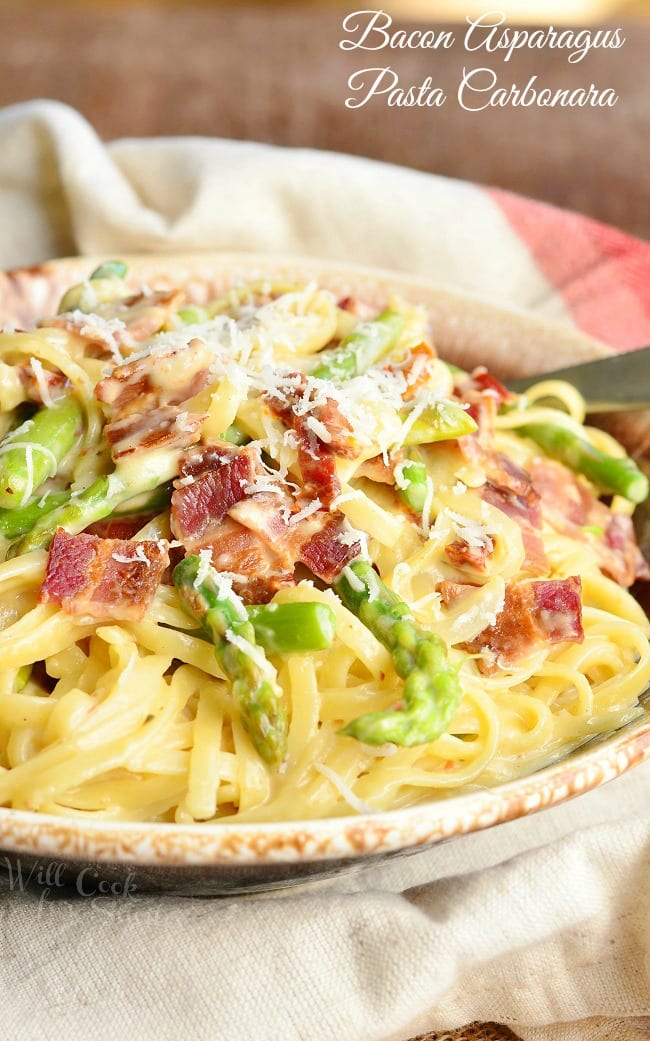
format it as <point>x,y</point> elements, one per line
<point>472,1032</point>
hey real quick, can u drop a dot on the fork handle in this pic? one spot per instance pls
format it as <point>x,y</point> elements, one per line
<point>620,382</point>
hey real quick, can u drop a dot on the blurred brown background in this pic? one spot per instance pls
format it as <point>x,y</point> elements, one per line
<point>274,72</point>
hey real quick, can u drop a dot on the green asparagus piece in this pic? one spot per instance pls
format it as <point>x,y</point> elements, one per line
<point>369,342</point>
<point>192,315</point>
<point>293,628</point>
<point>431,693</point>
<point>32,453</point>
<point>109,269</point>
<point>413,482</point>
<point>620,476</point>
<point>105,285</point>
<point>442,421</point>
<point>147,502</point>
<point>235,436</point>
<point>14,523</point>
<point>223,618</point>
<point>103,497</point>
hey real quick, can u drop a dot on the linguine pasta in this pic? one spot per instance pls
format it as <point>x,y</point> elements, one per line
<point>282,438</point>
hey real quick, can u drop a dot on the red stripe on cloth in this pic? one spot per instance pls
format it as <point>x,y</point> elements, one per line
<point>602,274</point>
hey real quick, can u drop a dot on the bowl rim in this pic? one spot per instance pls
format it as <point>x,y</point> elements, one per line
<point>463,320</point>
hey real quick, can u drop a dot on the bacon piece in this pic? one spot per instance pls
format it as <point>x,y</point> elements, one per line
<point>250,543</point>
<point>257,572</point>
<point>53,381</point>
<point>377,470</point>
<point>317,465</point>
<point>104,578</point>
<point>451,592</point>
<point>462,554</point>
<point>119,527</point>
<point>534,615</point>
<point>416,369</point>
<point>324,553</point>
<point>484,394</point>
<point>485,382</point>
<point>322,433</point>
<point>207,456</point>
<point>525,511</point>
<point>167,427</point>
<point>121,323</point>
<point>162,378</point>
<point>257,535</point>
<point>199,506</point>
<point>296,407</point>
<point>570,508</point>
<point>510,488</point>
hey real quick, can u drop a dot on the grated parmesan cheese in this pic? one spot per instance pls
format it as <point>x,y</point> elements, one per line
<point>307,511</point>
<point>470,531</point>
<point>343,789</point>
<point>41,382</point>
<point>355,582</point>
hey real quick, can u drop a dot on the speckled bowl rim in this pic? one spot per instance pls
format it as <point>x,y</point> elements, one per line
<point>468,329</point>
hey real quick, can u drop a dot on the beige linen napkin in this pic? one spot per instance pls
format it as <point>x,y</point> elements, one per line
<point>540,924</point>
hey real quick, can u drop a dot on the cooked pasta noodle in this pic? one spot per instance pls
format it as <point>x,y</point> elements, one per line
<point>117,702</point>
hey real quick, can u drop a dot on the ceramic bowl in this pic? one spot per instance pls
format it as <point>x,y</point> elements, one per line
<point>232,857</point>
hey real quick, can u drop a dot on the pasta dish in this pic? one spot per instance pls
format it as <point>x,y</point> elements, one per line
<point>273,559</point>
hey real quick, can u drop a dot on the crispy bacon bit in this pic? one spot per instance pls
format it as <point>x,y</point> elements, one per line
<point>317,464</point>
<point>52,381</point>
<point>164,378</point>
<point>257,572</point>
<point>197,507</point>
<point>121,323</point>
<point>570,508</point>
<point>484,394</point>
<point>525,511</point>
<point>207,456</point>
<point>104,578</point>
<point>534,615</point>
<point>377,470</point>
<point>290,408</point>
<point>462,554</point>
<point>451,592</point>
<point>168,427</point>
<point>316,455</point>
<point>324,554</point>
<point>416,368</point>
<point>119,527</point>
<point>511,490</point>
<point>488,384</point>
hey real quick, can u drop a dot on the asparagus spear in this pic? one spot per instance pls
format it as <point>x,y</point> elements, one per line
<point>412,482</point>
<point>109,269</point>
<point>223,618</point>
<point>621,476</point>
<point>107,285</point>
<point>104,496</point>
<point>431,693</point>
<point>369,342</point>
<point>14,523</point>
<point>32,453</point>
<point>293,628</point>
<point>192,315</point>
<point>442,421</point>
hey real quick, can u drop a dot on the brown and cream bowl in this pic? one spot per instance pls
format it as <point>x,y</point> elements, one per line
<point>219,858</point>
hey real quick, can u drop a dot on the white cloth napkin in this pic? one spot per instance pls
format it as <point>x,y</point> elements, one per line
<point>540,924</point>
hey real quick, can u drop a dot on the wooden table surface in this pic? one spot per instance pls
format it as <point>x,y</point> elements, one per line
<point>280,76</point>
